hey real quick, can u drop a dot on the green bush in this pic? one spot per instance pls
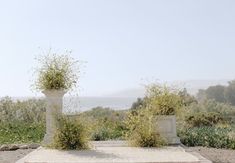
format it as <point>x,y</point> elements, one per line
<point>107,129</point>
<point>224,110</point>
<point>105,123</point>
<point>138,104</point>
<point>215,137</point>
<point>204,119</point>
<point>101,134</point>
<point>142,130</point>
<point>29,111</point>
<point>21,132</point>
<point>70,135</point>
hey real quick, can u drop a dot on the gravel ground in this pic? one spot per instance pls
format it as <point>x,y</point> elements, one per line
<point>215,155</point>
<point>13,156</point>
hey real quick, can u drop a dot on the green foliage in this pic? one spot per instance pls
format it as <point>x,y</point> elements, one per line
<point>70,135</point>
<point>227,112</point>
<point>208,137</point>
<point>101,113</point>
<point>31,110</point>
<point>229,93</point>
<point>186,98</point>
<point>219,93</point>
<point>216,93</point>
<point>56,72</point>
<point>204,119</point>
<point>142,130</point>
<point>22,121</point>
<point>107,129</point>
<point>163,100</point>
<point>201,95</point>
<point>207,123</point>
<point>105,124</point>
<point>140,103</point>
<point>21,132</point>
<point>101,134</point>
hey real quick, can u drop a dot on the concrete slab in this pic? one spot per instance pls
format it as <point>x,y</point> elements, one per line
<point>112,154</point>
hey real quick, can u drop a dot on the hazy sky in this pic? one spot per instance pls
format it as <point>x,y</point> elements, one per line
<point>124,42</point>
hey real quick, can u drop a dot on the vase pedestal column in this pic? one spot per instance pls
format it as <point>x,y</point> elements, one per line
<point>54,106</point>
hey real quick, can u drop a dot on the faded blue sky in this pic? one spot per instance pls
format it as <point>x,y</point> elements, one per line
<point>123,41</point>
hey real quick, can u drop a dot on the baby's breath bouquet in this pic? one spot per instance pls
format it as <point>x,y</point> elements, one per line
<point>56,72</point>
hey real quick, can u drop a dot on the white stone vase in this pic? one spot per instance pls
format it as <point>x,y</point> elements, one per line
<point>54,106</point>
<point>167,128</point>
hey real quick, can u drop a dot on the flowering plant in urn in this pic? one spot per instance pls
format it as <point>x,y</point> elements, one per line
<point>56,75</point>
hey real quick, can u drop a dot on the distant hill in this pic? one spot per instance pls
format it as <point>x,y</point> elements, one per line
<point>191,85</point>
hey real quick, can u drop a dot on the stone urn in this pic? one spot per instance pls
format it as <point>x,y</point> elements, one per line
<point>54,106</point>
<point>167,129</point>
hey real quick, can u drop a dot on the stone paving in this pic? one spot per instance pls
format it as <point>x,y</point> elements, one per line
<point>112,152</point>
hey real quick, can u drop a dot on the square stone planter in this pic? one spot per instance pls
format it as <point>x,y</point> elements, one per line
<point>167,128</point>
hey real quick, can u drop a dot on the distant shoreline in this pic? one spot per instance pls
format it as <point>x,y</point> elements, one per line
<point>86,103</point>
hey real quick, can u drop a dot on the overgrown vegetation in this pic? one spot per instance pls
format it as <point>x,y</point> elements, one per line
<point>141,122</point>
<point>21,132</point>
<point>217,137</point>
<point>200,123</point>
<point>161,100</point>
<point>208,123</point>
<point>105,124</point>
<point>71,135</point>
<point>31,110</point>
<point>197,121</point>
<point>204,119</point>
<point>22,121</point>
<point>143,130</point>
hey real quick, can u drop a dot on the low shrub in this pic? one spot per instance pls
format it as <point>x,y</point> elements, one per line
<point>225,110</point>
<point>101,134</point>
<point>21,132</point>
<point>107,129</point>
<point>204,119</point>
<point>104,123</point>
<point>142,130</point>
<point>216,137</point>
<point>70,135</point>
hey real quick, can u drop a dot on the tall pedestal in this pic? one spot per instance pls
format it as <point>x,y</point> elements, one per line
<point>54,101</point>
